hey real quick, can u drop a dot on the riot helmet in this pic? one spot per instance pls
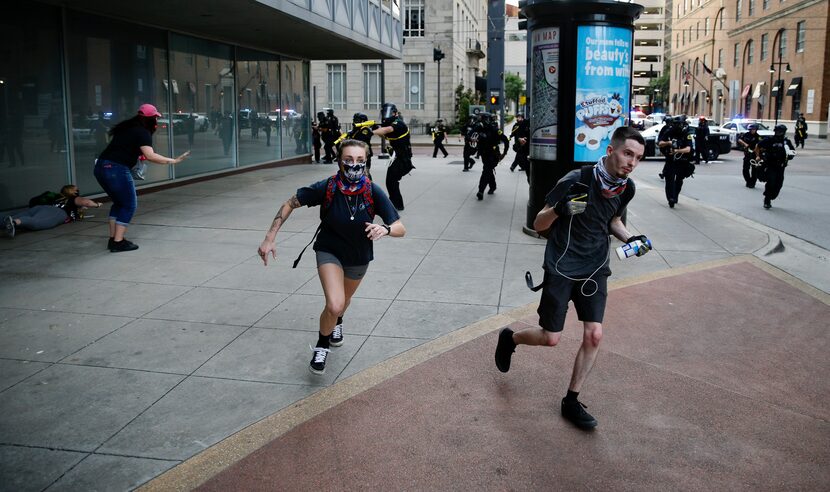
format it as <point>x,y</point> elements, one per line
<point>321,116</point>
<point>752,126</point>
<point>388,112</point>
<point>329,112</point>
<point>780,130</point>
<point>359,118</point>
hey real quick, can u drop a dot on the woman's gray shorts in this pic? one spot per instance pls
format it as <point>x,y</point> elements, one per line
<point>350,272</point>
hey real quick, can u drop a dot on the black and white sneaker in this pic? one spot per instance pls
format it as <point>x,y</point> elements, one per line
<point>504,349</point>
<point>574,411</point>
<point>318,360</point>
<point>336,339</point>
<point>9,223</point>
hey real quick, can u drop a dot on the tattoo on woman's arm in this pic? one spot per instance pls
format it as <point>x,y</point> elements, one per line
<point>279,218</point>
<point>294,202</point>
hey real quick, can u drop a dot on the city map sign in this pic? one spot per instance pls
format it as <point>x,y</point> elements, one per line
<point>544,100</point>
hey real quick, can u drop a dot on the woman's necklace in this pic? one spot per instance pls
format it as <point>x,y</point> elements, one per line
<point>352,209</point>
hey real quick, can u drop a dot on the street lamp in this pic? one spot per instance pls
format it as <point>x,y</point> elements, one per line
<point>772,66</point>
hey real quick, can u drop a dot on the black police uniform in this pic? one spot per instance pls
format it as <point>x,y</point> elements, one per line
<point>749,171</point>
<point>489,138</point>
<point>774,154</point>
<point>470,144</point>
<point>800,131</point>
<point>439,132</point>
<point>398,139</point>
<point>521,130</point>
<point>315,136</point>
<point>330,128</point>
<point>675,169</point>
<point>702,142</point>
<point>364,134</point>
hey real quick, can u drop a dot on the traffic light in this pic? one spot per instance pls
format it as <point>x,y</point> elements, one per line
<point>437,55</point>
<point>494,100</point>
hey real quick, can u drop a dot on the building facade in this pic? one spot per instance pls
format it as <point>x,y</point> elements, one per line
<point>422,94</point>
<point>230,78</point>
<point>649,33</point>
<point>759,59</point>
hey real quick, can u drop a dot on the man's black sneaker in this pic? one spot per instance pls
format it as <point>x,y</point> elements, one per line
<point>318,360</point>
<point>480,195</point>
<point>336,339</point>
<point>9,223</point>
<point>504,349</point>
<point>671,203</point>
<point>574,411</point>
<point>123,245</point>
<point>767,204</point>
<point>491,191</point>
<point>110,243</point>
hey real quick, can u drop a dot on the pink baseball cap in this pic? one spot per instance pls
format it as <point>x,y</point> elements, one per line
<point>148,110</point>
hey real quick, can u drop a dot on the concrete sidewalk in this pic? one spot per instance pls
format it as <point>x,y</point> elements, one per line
<point>118,367</point>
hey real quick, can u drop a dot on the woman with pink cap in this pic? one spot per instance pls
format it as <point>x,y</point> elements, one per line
<point>131,139</point>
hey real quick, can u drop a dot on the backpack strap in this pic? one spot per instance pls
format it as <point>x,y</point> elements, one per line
<point>324,209</point>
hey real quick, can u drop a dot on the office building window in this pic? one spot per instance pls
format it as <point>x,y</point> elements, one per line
<point>751,8</point>
<point>736,55</point>
<point>720,58</point>
<point>739,5</point>
<point>414,80</point>
<point>706,27</point>
<point>371,86</point>
<point>336,85</point>
<point>782,44</point>
<point>765,4</point>
<point>697,30</point>
<point>413,22</point>
<point>800,34</point>
<point>750,52</point>
<point>764,45</point>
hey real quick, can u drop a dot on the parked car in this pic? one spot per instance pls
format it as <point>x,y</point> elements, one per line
<point>638,120</point>
<point>201,124</point>
<point>245,117</point>
<point>164,123</point>
<point>736,128</point>
<point>654,119</point>
<point>718,139</point>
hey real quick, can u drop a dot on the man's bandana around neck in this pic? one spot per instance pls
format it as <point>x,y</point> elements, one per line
<point>610,186</point>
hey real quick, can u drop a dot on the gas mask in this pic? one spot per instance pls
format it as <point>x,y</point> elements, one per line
<point>353,171</point>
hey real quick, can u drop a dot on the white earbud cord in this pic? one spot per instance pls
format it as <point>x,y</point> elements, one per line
<point>585,280</point>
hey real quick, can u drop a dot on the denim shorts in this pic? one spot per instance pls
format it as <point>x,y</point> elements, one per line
<point>350,272</point>
<point>117,182</point>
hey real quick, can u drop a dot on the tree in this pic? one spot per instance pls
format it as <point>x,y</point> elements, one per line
<point>464,98</point>
<point>659,88</point>
<point>514,87</point>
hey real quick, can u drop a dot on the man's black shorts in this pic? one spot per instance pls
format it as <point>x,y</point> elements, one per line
<point>558,291</point>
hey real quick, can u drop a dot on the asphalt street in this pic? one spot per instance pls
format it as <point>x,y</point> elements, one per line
<point>801,209</point>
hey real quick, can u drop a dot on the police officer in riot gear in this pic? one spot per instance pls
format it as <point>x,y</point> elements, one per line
<point>489,138</point>
<point>747,142</point>
<point>393,128</point>
<point>676,143</point>
<point>774,151</point>
<point>470,143</point>
<point>439,133</point>
<point>329,131</point>
<point>521,143</point>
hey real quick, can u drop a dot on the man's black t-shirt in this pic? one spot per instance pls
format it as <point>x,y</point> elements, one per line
<point>587,249</point>
<point>399,139</point>
<point>773,151</point>
<point>340,235</point>
<point>751,140</point>
<point>125,146</point>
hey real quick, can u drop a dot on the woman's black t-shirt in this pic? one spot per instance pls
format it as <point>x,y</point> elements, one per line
<point>125,146</point>
<point>340,235</point>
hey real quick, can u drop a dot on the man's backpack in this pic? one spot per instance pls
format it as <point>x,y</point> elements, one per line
<point>45,198</point>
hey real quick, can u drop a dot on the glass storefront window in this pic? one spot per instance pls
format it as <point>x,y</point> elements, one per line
<point>294,101</point>
<point>204,119</point>
<point>260,114</point>
<point>33,155</point>
<point>113,67</point>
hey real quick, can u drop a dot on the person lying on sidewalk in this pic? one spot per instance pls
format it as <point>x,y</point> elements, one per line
<point>61,209</point>
<point>349,202</point>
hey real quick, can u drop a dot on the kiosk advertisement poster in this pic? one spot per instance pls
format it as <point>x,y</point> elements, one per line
<point>603,87</point>
<point>544,101</point>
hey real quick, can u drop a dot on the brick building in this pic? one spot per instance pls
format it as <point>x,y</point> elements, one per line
<point>761,59</point>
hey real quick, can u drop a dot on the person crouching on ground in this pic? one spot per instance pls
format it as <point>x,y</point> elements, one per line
<point>580,217</point>
<point>349,202</point>
<point>131,139</point>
